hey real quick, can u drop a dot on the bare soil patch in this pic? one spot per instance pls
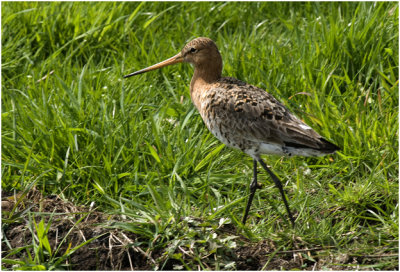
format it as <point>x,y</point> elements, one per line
<point>117,250</point>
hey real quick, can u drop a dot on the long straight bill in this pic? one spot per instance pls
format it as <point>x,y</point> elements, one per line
<point>175,59</point>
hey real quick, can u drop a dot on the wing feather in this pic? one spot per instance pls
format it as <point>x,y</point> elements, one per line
<point>257,116</point>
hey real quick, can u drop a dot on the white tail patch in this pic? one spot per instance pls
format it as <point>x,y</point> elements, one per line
<point>304,126</point>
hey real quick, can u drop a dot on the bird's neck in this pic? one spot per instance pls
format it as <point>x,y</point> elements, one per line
<point>205,75</point>
<point>202,81</point>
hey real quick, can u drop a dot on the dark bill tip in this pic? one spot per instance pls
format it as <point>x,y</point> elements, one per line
<point>134,74</point>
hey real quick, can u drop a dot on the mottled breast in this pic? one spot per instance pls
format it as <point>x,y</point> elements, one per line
<point>230,109</point>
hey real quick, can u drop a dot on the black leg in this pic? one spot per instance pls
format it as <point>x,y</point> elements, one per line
<point>253,188</point>
<point>279,185</point>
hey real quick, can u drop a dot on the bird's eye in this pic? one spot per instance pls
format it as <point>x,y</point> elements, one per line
<point>193,50</point>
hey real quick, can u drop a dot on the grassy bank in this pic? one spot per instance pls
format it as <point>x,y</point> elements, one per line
<point>71,126</point>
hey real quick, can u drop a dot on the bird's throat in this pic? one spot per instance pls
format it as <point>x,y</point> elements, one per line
<point>204,76</point>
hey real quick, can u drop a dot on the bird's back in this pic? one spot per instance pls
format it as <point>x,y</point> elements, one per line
<point>250,119</point>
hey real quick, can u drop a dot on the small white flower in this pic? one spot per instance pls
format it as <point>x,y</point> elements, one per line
<point>222,221</point>
<point>217,208</point>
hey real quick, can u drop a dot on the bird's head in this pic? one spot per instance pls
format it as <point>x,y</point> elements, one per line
<point>201,52</point>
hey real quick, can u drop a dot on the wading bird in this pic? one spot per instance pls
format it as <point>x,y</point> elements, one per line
<point>243,116</point>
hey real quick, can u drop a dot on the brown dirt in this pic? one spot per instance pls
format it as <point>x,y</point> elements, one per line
<point>111,251</point>
<point>116,250</point>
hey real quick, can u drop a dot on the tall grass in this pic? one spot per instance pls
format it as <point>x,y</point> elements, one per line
<point>74,127</point>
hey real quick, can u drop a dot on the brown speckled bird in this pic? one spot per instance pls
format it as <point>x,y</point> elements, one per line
<point>243,116</point>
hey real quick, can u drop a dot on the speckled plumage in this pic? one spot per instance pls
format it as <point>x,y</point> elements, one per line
<point>250,119</point>
<point>244,116</point>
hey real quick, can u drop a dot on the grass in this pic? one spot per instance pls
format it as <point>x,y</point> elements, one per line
<point>72,126</point>
<point>43,257</point>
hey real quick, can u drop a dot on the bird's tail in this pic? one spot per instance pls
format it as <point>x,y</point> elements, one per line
<point>328,147</point>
